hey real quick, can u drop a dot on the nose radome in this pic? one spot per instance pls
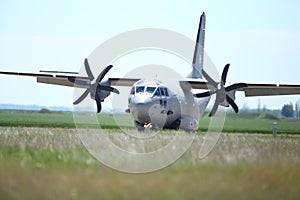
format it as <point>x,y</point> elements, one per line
<point>140,108</point>
<point>142,99</point>
<point>141,113</point>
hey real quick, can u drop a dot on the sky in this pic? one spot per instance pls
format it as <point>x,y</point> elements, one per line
<point>260,39</point>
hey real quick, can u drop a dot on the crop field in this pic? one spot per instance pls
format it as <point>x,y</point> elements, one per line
<point>41,157</point>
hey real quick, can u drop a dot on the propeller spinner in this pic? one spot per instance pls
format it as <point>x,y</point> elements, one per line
<point>221,91</point>
<point>93,88</point>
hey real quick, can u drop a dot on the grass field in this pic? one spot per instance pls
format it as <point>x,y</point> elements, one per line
<point>48,161</point>
<point>239,123</point>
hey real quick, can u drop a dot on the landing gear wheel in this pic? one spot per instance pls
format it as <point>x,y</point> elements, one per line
<point>139,126</point>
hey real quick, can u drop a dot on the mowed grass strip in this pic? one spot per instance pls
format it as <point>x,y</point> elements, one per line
<point>253,123</point>
<point>234,123</point>
<point>54,119</point>
<point>15,118</point>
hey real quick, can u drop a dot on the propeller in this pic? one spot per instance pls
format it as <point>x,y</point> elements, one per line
<point>221,91</point>
<point>93,88</point>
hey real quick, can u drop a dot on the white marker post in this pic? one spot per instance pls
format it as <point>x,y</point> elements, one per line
<point>274,129</point>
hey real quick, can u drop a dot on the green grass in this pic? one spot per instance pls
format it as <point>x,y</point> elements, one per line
<point>21,118</point>
<point>36,165</point>
<point>254,123</point>
<point>235,123</point>
<point>204,181</point>
<point>50,162</point>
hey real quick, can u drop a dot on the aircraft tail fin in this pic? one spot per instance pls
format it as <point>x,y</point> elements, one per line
<point>199,50</point>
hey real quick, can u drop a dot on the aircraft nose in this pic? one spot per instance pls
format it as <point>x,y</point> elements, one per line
<point>140,112</point>
<point>139,105</point>
<point>140,100</point>
<point>140,109</point>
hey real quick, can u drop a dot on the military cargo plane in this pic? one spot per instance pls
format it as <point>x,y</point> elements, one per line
<point>152,103</point>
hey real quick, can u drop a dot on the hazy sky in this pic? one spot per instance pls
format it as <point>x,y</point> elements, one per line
<point>261,40</point>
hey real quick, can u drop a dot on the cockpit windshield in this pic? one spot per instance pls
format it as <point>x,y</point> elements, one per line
<point>150,89</point>
<point>140,89</point>
<point>156,91</point>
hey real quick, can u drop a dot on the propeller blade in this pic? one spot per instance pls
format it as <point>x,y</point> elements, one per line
<point>233,105</point>
<point>204,94</point>
<point>108,88</point>
<point>98,101</point>
<point>83,96</point>
<point>214,108</point>
<point>224,73</point>
<point>236,86</point>
<point>88,70</point>
<point>209,79</point>
<point>103,73</point>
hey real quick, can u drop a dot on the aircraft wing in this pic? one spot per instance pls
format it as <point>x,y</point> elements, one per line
<point>263,89</point>
<point>122,81</point>
<point>256,89</point>
<point>55,78</point>
<point>197,84</point>
<point>67,78</point>
<point>70,81</point>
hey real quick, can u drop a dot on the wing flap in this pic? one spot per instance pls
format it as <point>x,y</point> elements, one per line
<point>122,81</point>
<point>64,80</point>
<point>197,84</point>
<point>55,81</point>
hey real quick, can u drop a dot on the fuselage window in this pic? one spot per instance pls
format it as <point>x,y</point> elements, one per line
<point>140,89</point>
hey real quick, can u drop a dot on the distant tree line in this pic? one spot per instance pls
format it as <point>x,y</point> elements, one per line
<point>288,110</point>
<point>44,110</point>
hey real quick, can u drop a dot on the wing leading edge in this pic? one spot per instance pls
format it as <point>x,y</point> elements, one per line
<point>49,78</point>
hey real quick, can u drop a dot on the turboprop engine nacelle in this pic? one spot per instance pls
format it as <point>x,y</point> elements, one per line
<point>188,123</point>
<point>230,94</point>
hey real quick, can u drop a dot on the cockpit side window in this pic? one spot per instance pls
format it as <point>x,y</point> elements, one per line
<point>164,92</point>
<point>140,89</point>
<point>132,90</point>
<point>157,92</point>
